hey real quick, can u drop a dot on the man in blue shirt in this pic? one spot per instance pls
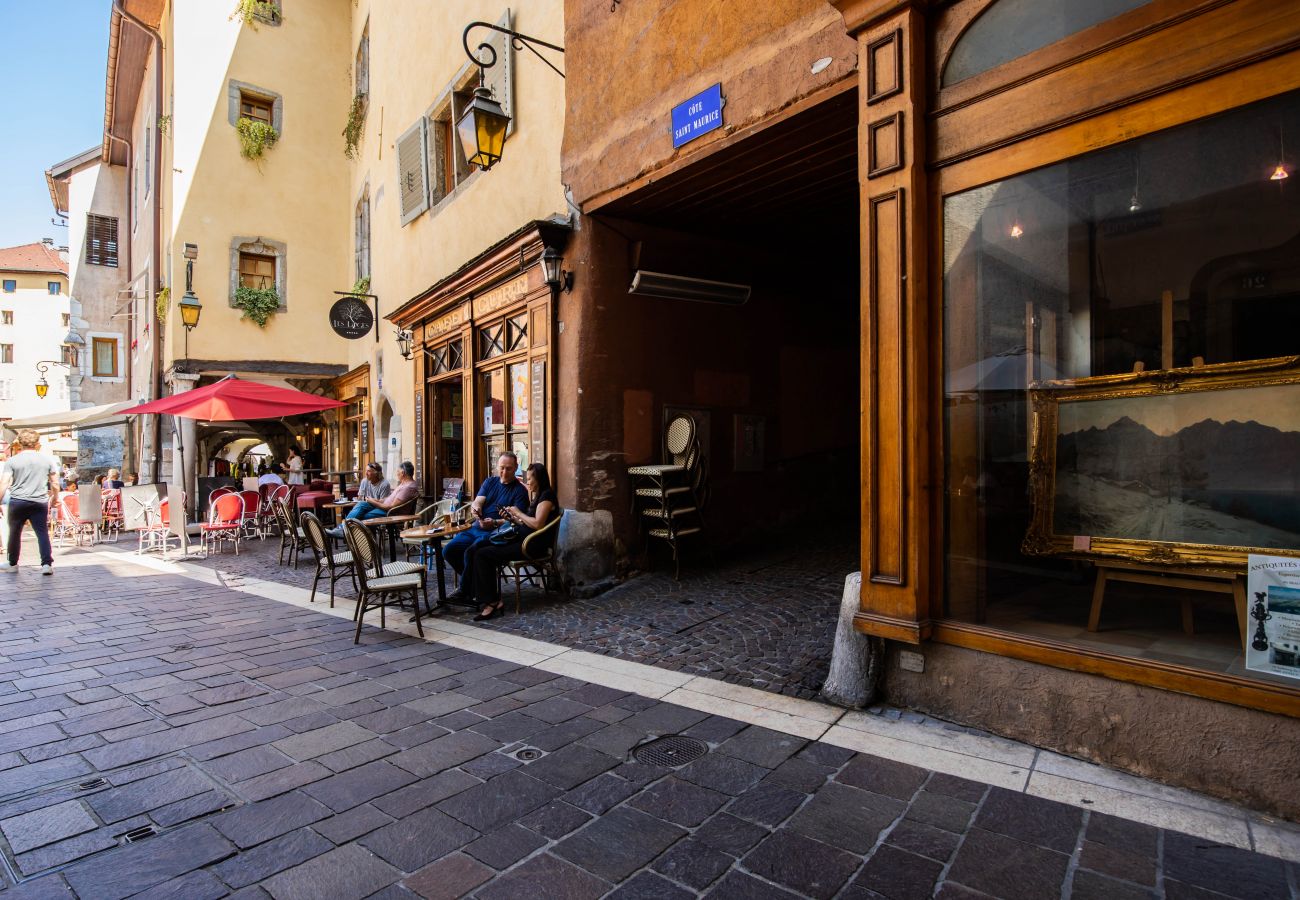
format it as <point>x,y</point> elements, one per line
<point>496,493</point>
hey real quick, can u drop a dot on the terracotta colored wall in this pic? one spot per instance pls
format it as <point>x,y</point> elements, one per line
<point>628,67</point>
<point>1242,755</point>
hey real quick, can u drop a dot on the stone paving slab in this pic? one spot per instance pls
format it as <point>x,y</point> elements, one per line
<point>423,797</point>
<point>764,620</point>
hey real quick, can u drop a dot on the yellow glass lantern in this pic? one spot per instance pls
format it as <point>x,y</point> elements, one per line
<point>482,129</point>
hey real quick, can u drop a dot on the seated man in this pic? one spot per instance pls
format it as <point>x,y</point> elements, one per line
<point>404,493</point>
<point>373,486</point>
<point>496,493</point>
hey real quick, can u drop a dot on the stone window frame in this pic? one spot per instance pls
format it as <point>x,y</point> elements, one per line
<point>119,351</point>
<point>235,88</point>
<point>264,247</point>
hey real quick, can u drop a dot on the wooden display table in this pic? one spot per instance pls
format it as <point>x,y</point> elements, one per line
<point>1189,578</point>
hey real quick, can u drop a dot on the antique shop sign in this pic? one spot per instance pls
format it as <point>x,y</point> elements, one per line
<point>697,116</point>
<point>351,318</point>
<point>1273,608</point>
<point>443,324</point>
<point>508,293</point>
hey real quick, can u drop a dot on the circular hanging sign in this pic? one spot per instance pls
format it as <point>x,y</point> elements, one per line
<point>351,318</point>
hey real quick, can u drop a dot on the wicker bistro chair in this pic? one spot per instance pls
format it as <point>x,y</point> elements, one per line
<point>225,523</point>
<point>670,497</point>
<point>379,581</point>
<point>537,564</point>
<point>252,521</point>
<point>292,538</point>
<point>336,565</point>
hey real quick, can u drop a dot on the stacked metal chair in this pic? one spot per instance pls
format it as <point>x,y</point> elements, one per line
<point>669,497</point>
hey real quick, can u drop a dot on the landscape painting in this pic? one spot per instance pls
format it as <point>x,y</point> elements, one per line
<point>1216,467</point>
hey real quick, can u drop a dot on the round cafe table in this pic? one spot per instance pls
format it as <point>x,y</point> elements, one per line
<point>435,535</point>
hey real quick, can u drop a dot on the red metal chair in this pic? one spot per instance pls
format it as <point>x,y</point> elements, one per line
<point>225,522</point>
<point>253,521</point>
<point>157,535</point>
<point>71,524</point>
<point>112,514</point>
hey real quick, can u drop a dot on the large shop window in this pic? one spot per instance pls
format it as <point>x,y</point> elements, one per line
<point>1109,417</point>
<point>504,393</point>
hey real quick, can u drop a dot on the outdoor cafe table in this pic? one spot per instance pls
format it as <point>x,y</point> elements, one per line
<point>436,534</point>
<point>337,505</point>
<point>390,523</point>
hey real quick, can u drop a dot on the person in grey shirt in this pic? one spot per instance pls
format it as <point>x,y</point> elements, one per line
<point>30,478</point>
<point>373,486</point>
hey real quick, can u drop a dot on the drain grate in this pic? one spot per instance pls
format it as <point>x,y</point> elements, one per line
<point>139,834</point>
<point>92,784</point>
<point>670,751</point>
<point>528,754</point>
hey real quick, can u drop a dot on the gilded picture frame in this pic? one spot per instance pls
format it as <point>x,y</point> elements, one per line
<point>1176,467</point>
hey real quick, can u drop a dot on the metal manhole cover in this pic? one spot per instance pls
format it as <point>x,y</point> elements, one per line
<point>670,751</point>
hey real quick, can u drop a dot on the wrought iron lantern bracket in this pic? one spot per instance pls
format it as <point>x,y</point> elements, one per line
<point>517,40</point>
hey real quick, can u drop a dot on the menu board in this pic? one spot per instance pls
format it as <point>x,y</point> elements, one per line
<point>538,430</point>
<point>419,434</point>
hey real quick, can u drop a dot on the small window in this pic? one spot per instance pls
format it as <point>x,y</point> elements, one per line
<point>254,107</point>
<point>67,320</point>
<point>256,270</point>
<point>55,287</point>
<point>104,357</point>
<point>8,317</point>
<point>361,236</point>
<point>10,285</point>
<point>448,167</point>
<point>101,240</point>
<point>68,355</point>
<point>363,64</point>
<point>6,353</point>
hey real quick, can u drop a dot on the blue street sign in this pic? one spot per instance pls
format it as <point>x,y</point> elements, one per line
<point>698,115</point>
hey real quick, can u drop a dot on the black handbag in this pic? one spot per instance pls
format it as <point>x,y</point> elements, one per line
<point>505,534</point>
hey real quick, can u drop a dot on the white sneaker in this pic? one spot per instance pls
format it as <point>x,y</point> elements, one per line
<point>5,567</point>
<point>47,570</point>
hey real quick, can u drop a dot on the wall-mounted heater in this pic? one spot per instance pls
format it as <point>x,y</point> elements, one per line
<point>678,287</point>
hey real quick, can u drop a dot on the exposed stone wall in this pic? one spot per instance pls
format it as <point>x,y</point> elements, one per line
<point>1242,755</point>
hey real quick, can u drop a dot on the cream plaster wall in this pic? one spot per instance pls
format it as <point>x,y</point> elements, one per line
<point>94,301</point>
<point>415,53</point>
<point>298,195</point>
<point>36,335</point>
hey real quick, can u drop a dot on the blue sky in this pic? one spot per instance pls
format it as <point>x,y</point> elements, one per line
<point>53,84</point>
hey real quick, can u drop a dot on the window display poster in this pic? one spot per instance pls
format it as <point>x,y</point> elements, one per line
<point>519,395</point>
<point>1273,611</point>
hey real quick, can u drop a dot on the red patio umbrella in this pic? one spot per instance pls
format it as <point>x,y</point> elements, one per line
<point>232,400</point>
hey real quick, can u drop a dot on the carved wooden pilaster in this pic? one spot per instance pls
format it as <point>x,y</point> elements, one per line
<point>894,322</point>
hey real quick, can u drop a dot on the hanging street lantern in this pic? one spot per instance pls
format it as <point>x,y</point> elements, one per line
<point>482,129</point>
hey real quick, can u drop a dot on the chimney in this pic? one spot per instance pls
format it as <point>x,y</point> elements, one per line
<point>49,242</point>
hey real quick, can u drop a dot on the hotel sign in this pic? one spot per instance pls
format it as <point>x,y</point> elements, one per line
<point>697,116</point>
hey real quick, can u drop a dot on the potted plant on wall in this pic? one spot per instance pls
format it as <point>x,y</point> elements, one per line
<point>255,138</point>
<point>258,304</point>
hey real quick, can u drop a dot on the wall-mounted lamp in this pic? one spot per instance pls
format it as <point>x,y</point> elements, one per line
<point>482,127</point>
<point>554,272</point>
<point>43,386</point>
<point>404,341</point>
<point>315,430</point>
<point>190,308</point>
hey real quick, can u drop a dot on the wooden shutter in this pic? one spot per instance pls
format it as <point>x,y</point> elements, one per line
<point>413,171</point>
<point>101,240</point>
<point>500,78</point>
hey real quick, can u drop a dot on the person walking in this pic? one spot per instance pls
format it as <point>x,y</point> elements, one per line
<point>30,479</point>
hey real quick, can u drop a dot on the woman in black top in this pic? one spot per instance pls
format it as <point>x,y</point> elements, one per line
<point>485,559</point>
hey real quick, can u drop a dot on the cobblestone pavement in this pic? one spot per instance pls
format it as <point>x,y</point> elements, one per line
<point>269,755</point>
<point>764,619</point>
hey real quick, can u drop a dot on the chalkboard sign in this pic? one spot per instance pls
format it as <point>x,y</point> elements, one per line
<point>365,435</point>
<point>538,450</point>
